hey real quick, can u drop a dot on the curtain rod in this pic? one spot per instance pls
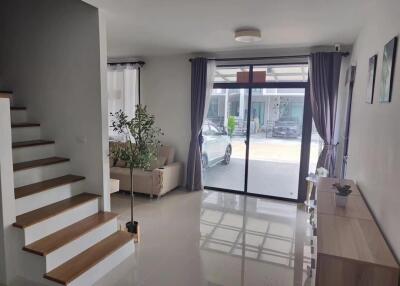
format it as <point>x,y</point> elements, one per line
<point>344,54</point>
<point>140,63</point>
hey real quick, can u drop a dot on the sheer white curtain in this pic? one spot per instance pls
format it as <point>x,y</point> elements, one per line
<point>122,87</point>
<point>210,85</point>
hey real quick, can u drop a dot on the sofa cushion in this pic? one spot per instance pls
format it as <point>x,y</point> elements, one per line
<point>121,163</point>
<point>142,180</point>
<point>117,163</point>
<point>157,163</point>
<point>167,152</point>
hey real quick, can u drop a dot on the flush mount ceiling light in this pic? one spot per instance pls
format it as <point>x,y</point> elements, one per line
<point>248,35</point>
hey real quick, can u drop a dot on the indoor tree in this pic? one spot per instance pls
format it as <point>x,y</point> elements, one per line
<point>140,147</point>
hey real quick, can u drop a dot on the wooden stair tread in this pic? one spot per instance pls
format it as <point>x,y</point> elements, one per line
<point>81,263</point>
<point>66,235</point>
<point>24,124</point>
<point>18,108</point>
<point>31,143</point>
<point>39,163</point>
<point>41,214</point>
<point>6,94</point>
<point>35,188</point>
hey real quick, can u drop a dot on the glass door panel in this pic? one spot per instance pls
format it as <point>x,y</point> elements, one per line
<point>276,122</point>
<point>224,135</point>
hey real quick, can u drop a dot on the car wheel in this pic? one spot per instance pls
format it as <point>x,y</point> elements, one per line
<point>204,161</point>
<point>227,156</point>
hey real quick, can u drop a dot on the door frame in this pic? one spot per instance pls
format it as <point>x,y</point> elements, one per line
<point>306,130</point>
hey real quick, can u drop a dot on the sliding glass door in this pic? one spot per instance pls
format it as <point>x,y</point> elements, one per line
<point>253,134</point>
<point>276,123</point>
<point>224,139</point>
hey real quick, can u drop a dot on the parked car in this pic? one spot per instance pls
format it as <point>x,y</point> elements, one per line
<point>216,147</point>
<point>286,129</point>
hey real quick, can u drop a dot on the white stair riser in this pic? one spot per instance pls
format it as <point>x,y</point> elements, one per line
<point>60,221</point>
<point>105,266</point>
<point>25,133</point>
<point>31,266</point>
<point>38,174</point>
<point>47,197</point>
<point>33,153</point>
<point>18,116</point>
<point>23,281</point>
<point>65,253</point>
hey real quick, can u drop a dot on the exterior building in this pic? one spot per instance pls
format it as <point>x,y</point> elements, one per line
<point>269,108</point>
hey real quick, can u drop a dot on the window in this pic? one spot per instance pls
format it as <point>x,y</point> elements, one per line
<point>234,108</point>
<point>282,73</point>
<point>122,92</point>
<point>232,74</point>
<point>213,130</point>
<point>262,74</point>
<point>213,109</point>
<point>206,129</point>
<point>257,91</point>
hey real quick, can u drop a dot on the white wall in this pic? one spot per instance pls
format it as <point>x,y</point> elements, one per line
<point>7,200</point>
<point>374,148</point>
<point>103,157</point>
<point>51,57</point>
<point>165,89</point>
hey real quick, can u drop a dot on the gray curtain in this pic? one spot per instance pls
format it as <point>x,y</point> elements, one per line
<point>324,84</point>
<point>198,99</point>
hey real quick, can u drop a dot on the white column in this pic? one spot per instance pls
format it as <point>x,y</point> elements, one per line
<point>226,111</point>
<point>105,192</point>
<point>241,104</point>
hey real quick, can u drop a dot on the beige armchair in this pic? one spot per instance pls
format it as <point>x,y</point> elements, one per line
<point>165,175</point>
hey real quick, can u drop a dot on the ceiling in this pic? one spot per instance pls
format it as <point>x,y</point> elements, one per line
<point>166,27</point>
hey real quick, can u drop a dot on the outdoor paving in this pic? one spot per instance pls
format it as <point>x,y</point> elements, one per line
<point>266,178</point>
<point>273,167</point>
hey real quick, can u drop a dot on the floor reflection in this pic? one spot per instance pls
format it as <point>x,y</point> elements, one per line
<point>213,239</point>
<point>255,236</point>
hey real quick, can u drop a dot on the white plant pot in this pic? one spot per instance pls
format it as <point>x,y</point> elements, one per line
<point>341,201</point>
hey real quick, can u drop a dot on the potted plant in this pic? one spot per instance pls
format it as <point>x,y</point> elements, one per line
<point>342,193</point>
<point>140,146</point>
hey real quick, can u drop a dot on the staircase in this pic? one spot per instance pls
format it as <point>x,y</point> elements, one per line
<point>65,238</point>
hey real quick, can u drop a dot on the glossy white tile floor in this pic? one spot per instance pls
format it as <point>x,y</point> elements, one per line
<point>213,238</point>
